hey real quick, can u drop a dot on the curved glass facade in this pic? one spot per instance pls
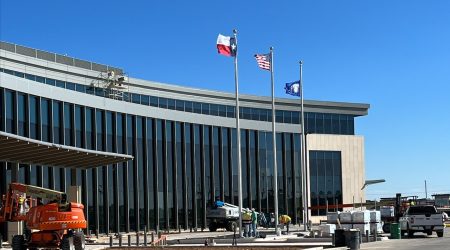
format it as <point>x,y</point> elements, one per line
<point>188,164</point>
<point>179,167</point>
<point>314,122</point>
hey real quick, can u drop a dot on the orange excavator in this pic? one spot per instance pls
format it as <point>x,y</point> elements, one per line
<point>56,224</point>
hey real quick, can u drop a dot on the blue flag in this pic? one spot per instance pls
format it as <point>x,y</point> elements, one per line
<point>293,88</point>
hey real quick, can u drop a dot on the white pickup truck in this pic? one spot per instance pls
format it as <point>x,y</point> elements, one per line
<point>424,219</point>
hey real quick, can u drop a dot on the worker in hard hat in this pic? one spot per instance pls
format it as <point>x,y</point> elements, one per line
<point>285,220</point>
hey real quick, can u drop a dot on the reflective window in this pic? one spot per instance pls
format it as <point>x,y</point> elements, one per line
<point>181,176</point>
<point>120,132</point>
<point>110,143</point>
<point>60,84</point>
<point>40,79</point>
<point>244,167</point>
<point>136,98</point>
<point>99,120</point>
<point>145,100</point>
<point>343,123</point>
<point>2,122</point>
<point>70,85</point>
<point>51,82</point>
<point>188,106</point>
<point>57,129</point>
<point>30,77</point>
<point>131,170</point>
<point>34,114</point>
<point>205,108</point>
<point>280,180</point>
<point>296,118</point>
<point>207,163</point>
<point>46,119</point>
<point>80,88</point>
<point>214,109</point>
<point>198,175</point>
<point>68,118</point>
<point>197,108</point>
<point>79,121</point>
<point>325,179</point>
<point>140,168</point>
<point>231,111</point>
<point>262,169</point>
<point>218,174</point>
<point>22,114</point>
<point>278,116</point>
<point>160,170</point>
<point>252,173</point>
<point>90,128</point>
<point>19,74</point>
<point>170,103</point>
<point>153,101</point>
<point>170,164</point>
<point>327,124</point>
<point>10,121</point>
<point>162,103</point>
<point>151,173</point>
<point>189,174</point>
<point>289,175</point>
<point>226,166</point>
<point>179,105</point>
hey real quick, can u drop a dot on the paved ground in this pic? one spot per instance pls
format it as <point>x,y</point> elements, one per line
<point>222,238</point>
<point>419,241</point>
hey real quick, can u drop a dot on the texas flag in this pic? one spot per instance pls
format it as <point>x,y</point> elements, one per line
<point>226,45</point>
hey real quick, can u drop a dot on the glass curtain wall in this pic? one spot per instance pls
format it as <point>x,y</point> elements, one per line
<point>178,168</point>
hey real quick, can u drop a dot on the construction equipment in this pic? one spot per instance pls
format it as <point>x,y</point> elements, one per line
<point>56,224</point>
<point>224,215</point>
<point>398,206</point>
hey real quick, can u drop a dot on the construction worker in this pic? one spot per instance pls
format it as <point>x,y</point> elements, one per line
<point>246,221</point>
<point>21,207</point>
<point>285,220</point>
<point>254,223</point>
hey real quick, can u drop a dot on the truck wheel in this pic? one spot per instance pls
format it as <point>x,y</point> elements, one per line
<point>79,241</point>
<point>18,242</point>
<point>387,227</point>
<point>213,227</point>
<point>410,234</point>
<point>429,232</point>
<point>440,233</point>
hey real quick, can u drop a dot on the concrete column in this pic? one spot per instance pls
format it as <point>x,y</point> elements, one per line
<point>74,191</point>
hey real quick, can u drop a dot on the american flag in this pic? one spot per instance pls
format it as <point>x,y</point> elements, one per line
<point>263,61</point>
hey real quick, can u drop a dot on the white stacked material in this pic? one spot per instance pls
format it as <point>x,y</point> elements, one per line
<point>387,211</point>
<point>332,217</point>
<point>346,226</point>
<point>327,228</point>
<point>362,227</point>
<point>375,216</point>
<point>346,217</point>
<point>361,216</point>
<point>376,227</point>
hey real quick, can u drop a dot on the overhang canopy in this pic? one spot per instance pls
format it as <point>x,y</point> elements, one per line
<point>14,148</point>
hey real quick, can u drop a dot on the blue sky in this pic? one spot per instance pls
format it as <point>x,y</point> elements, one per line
<point>394,55</point>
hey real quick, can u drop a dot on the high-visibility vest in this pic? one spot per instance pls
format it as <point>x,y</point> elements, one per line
<point>285,219</point>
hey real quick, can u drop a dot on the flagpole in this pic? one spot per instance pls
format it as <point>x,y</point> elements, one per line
<point>303,157</point>
<point>274,141</point>
<point>238,137</point>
